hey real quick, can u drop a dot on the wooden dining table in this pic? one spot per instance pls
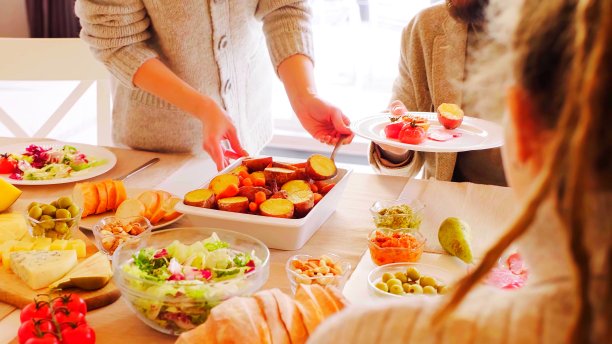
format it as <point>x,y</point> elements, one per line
<point>344,233</point>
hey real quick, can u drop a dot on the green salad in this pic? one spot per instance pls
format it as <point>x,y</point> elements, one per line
<point>40,163</point>
<point>177,286</point>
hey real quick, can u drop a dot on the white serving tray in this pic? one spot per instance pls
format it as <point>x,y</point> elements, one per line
<point>282,234</point>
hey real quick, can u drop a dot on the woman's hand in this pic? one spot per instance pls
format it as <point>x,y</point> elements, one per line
<point>322,120</point>
<point>216,128</point>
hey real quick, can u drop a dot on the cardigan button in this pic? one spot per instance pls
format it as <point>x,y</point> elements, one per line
<point>222,42</point>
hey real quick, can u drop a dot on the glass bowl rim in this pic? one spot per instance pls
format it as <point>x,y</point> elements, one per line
<point>117,269</point>
<point>420,237</point>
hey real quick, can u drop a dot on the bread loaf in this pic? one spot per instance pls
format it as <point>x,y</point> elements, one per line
<point>268,317</point>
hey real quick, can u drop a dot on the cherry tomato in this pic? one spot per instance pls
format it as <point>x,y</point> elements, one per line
<point>36,310</point>
<point>47,338</point>
<point>412,134</point>
<point>81,334</point>
<point>392,130</point>
<point>32,328</point>
<point>6,165</point>
<point>65,317</point>
<point>71,301</point>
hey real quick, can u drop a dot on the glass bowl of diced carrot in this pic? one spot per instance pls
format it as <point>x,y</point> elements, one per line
<point>388,247</point>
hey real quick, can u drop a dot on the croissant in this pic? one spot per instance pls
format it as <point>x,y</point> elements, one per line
<point>269,316</point>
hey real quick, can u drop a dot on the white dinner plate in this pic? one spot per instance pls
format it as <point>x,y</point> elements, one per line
<point>90,221</point>
<point>476,134</point>
<point>97,153</point>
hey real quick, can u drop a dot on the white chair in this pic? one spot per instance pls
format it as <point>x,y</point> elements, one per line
<point>56,59</point>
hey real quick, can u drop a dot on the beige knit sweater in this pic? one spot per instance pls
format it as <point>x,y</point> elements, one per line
<point>216,46</point>
<point>431,72</point>
<point>540,312</point>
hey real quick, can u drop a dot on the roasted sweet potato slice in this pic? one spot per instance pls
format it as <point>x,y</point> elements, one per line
<point>234,204</point>
<point>250,191</point>
<point>277,207</point>
<point>85,196</point>
<point>280,194</point>
<point>319,167</point>
<point>302,200</point>
<point>203,198</point>
<point>257,164</point>
<point>111,194</point>
<point>279,175</point>
<point>236,171</point>
<point>121,193</point>
<point>225,185</point>
<point>295,185</point>
<point>325,186</point>
<point>102,197</point>
<point>258,178</point>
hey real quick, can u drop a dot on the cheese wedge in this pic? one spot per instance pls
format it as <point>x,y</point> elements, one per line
<point>9,194</point>
<point>13,226</point>
<point>38,269</point>
<point>59,244</point>
<point>91,274</point>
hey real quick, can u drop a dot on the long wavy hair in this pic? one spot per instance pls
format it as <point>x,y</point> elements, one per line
<point>562,57</point>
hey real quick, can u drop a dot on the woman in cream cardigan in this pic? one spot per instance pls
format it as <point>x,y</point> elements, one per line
<point>191,74</point>
<point>557,159</point>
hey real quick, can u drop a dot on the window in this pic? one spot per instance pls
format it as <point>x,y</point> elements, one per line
<point>357,45</point>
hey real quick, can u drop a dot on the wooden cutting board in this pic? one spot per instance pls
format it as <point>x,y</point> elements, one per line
<point>15,292</point>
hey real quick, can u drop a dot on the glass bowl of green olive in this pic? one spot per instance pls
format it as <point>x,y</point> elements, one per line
<point>407,279</point>
<point>57,220</point>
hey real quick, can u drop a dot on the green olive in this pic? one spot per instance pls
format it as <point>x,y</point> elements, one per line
<point>430,290</point>
<point>47,224</point>
<point>64,202</point>
<point>394,281</point>
<point>51,234</point>
<point>49,210</point>
<point>382,286</point>
<point>387,276</point>
<point>35,212</point>
<point>401,276</point>
<point>442,289</point>
<point>416,289</point>
<point>396,289</point>
<point>37,231</point>
<point>33,204</point>
<point>63,214</point>
<point>61,228</point>
<point>55,204</point>
<point>427,281</point>
<point>74,210</point>
<point>413,274</point>
<point>406,287</point>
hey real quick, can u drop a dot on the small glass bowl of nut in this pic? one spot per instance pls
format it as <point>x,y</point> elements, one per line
<point>113,231</point>
<point>328,269</point>
<point>57,220</point>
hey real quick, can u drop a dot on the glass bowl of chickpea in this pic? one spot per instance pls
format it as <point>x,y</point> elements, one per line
<point>111,232</point>
<point>328,269</point>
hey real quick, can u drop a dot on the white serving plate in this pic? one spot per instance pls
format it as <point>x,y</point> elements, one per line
<point>90,221</point>
<point>476,134</point>
<point>282,234</point>
<point>99,153</point>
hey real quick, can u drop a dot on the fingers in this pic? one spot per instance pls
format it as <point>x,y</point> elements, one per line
<point>232,137</point>
<point>213,147</point>
<point>341,123</point>
<point>230,154</point>
<point>397,108</point>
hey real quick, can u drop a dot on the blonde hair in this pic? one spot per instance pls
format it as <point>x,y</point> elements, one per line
<point>563,56</point>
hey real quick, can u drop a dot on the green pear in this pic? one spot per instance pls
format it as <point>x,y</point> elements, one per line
<point>454,236</point>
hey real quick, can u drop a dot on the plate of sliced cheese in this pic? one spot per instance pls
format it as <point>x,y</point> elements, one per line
<point>111,198</point>
<point>32,266</point>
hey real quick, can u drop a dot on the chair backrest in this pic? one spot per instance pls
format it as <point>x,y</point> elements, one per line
<point>56,59</point>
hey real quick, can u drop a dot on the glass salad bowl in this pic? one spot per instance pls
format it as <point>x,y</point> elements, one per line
<point>173,278</point>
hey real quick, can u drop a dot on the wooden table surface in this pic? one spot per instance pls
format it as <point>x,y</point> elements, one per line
<point>343,234</point>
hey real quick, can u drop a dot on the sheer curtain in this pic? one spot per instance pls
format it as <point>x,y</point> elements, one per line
<point>52,18</point>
